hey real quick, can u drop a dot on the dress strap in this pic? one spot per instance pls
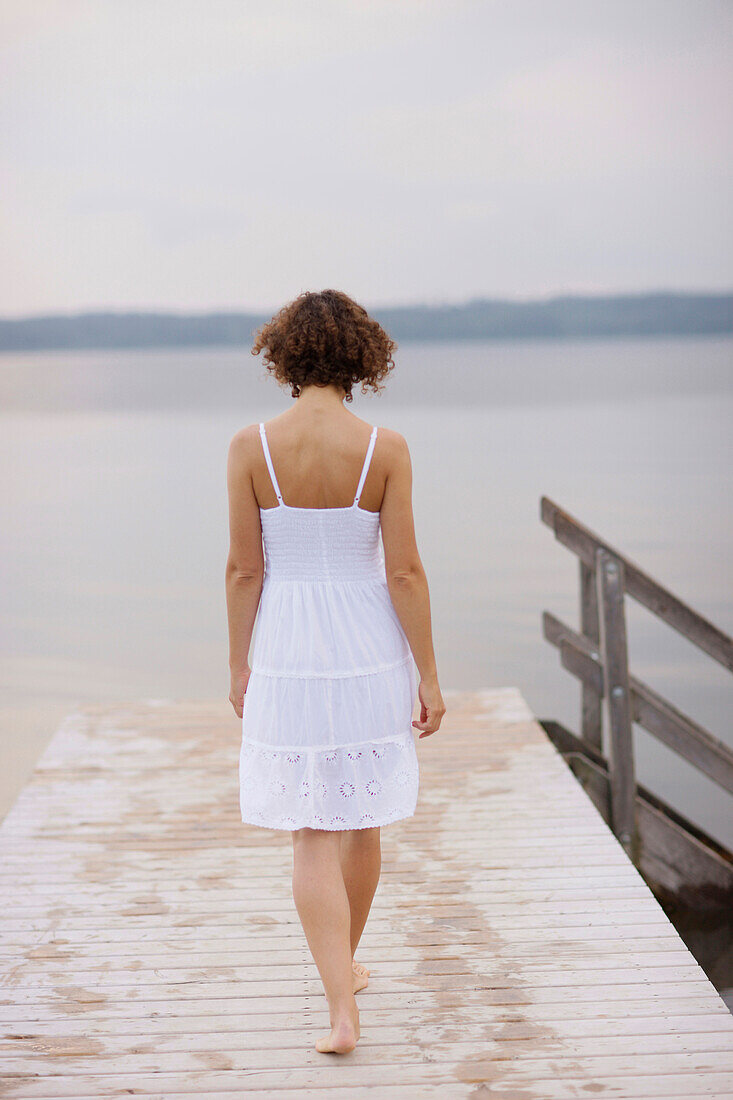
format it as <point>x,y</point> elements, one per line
<point>365,467</point>
<point>268,460</point>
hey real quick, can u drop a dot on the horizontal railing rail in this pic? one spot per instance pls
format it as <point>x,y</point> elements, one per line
<point>649,710</point>
<point>640,586</point>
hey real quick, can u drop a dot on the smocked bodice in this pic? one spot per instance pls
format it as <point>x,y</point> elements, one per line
<point>322,544</point>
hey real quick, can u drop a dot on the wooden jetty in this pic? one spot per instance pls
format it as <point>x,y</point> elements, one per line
<point>150,945</point>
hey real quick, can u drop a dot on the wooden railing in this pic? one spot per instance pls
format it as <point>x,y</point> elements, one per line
<point>598,657</point>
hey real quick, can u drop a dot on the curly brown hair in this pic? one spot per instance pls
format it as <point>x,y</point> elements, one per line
<point>325,339</point>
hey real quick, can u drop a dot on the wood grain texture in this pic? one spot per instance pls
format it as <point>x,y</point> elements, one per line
<point>149,944</point>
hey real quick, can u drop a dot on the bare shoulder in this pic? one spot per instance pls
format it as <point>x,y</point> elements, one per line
<point>394,449</point>
<point>391,438</point>
<point>243,442</point>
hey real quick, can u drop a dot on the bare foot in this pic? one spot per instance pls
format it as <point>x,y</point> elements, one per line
<point>342,1038</point>
<point>360,968</point>
<point>361,976</point>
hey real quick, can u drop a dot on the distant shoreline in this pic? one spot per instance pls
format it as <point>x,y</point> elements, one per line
<point>561,317</point>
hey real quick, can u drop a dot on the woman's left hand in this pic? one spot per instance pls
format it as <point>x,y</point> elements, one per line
<point>238,690</point>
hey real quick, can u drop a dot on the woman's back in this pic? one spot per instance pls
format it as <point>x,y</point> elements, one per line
<point>318,461</point>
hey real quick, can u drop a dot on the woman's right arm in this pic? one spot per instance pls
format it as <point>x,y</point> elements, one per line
<point>406,579</point>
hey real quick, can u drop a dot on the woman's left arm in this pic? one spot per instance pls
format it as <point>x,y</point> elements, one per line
<point>245,566</point>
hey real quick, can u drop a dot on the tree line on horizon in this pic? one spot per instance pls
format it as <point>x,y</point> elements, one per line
<point>561,317</point>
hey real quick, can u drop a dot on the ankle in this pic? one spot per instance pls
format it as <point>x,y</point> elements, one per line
<point>344,1010</point>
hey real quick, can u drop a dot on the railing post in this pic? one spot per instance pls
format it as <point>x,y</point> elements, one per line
<point>617,704</point>
<point>590,699</point>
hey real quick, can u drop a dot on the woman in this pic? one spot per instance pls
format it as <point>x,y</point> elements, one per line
<point>328,750</point>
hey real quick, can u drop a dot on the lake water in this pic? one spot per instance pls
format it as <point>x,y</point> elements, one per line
<point>114,521</point>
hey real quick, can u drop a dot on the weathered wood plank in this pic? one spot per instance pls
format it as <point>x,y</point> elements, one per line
<point>706,1074</point>
<point>287,1054</point>
<point>233,1027</point>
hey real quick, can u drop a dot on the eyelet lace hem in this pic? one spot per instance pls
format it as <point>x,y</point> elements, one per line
<point>333,824</point>
<point>345,786</point>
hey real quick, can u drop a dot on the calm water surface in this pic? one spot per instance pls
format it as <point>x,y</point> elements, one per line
<point>114,521</point>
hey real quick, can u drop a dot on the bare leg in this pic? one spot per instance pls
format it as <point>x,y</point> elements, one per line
<point>361,864</point>
<point>323,907</point>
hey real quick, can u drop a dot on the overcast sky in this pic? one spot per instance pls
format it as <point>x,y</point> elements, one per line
<point>233,153</point>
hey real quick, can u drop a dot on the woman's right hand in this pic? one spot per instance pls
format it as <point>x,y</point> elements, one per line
<point>432,707</point>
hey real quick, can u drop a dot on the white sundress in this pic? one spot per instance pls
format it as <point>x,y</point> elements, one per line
<point>327,739</point>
